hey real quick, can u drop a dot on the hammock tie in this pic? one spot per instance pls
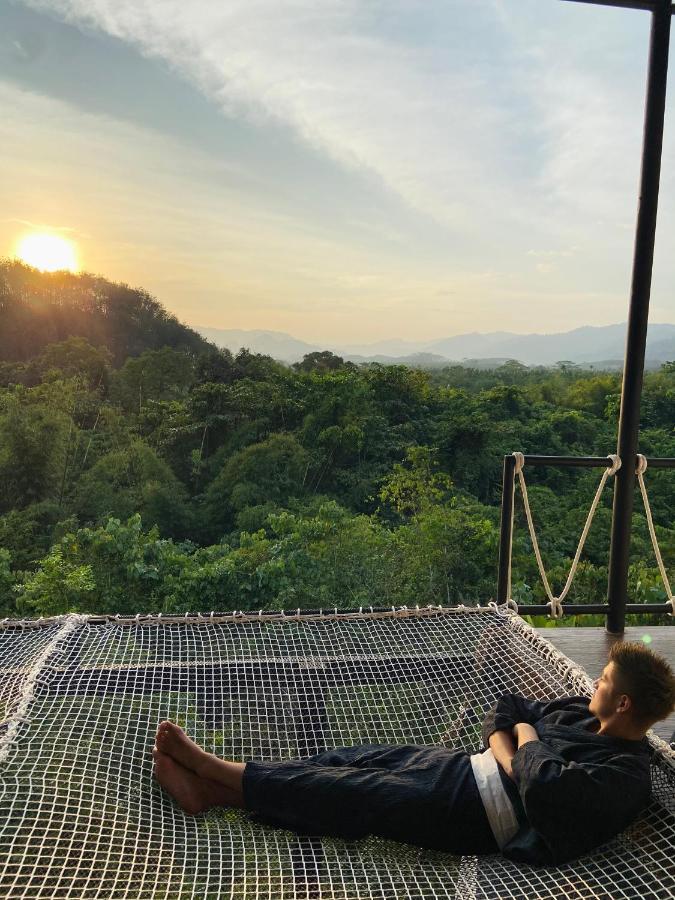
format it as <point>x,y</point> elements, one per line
<point>639,471</point>
<point>555,603</point>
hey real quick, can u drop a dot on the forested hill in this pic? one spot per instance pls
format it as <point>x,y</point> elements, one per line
<point>40,308</point>
<point>144,470</point>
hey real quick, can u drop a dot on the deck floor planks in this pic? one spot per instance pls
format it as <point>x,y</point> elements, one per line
<point>589,647</point>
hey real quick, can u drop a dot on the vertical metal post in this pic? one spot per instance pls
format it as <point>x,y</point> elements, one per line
<point>643,255</point>
<point>506,528</point>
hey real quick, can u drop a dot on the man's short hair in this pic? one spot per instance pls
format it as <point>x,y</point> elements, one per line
<point>647,679</point>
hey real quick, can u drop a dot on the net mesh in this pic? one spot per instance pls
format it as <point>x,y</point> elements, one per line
<point>82,816</point>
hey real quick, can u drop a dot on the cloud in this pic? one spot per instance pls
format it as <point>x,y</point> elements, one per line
<point>422,116</point>
<point>551,254</point>
<point>511,126</point>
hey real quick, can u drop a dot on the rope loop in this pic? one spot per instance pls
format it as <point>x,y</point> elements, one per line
<point>511,604</point>
<point>556,608</point>
<point>616,464</point>
<point>520,461</point>
<point>639,471</point>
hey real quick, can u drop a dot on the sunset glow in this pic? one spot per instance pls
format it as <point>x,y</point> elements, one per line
<point>48,252</point>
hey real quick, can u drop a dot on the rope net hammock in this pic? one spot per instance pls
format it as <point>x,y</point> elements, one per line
<point>82,816</point>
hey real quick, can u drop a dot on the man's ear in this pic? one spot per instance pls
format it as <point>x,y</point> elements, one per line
<point>625,704</point>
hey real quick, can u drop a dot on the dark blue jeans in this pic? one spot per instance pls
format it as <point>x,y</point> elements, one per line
<point>418,795</point>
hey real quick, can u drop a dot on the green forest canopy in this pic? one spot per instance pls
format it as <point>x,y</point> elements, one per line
<point>144,470</point>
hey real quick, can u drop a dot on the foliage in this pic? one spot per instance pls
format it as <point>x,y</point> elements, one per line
<point>41,308</point>
<point>133,480</point>
<point>7,583</point>
<point>142,469</point>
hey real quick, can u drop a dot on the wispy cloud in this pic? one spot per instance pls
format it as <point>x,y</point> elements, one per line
<point>421,117</point>
<point>513,126</point>
<point>454,134</point>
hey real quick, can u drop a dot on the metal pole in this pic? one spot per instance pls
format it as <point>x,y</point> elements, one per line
<point>622,4</point>
<point>506,528</point>
<point>629,417</point>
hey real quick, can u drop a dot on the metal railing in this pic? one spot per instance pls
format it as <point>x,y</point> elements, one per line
<point>615,604</point>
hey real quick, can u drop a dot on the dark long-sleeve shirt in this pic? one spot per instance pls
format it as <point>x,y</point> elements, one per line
<point>572,790</point>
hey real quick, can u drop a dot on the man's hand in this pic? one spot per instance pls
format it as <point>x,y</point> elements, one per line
<point>522,733</point>
<point>503,747</point>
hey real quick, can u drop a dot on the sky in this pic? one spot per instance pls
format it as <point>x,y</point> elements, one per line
<point>342,170</point>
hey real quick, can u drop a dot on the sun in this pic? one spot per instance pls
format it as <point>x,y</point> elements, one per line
<point>48,252</point>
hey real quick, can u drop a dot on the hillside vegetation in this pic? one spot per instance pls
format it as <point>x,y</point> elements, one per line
<point>40,308</point>
<point>143,470</point>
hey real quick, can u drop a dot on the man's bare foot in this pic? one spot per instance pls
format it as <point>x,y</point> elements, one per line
<point>193,794</point>
<point>172,740</point>
<point>187,789</point>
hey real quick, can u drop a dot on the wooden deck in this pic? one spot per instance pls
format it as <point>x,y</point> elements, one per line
<point>588,647</point>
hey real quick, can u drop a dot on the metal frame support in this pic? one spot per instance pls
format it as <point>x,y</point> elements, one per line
<point>506,531</point>
<point>506,528</point>
<point>636,339</point>
<point>647,5</point>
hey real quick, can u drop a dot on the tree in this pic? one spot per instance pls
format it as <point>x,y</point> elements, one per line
<point>116,567</point>
<point>33,442</point>
<point>75,357</point>
<point>320,361</point>
<point>215,366</point>
<point>7,585</point>
<point>164,374</point>
<point>130,481</point>
<point>271,471</point>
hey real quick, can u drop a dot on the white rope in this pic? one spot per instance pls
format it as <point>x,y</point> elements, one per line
<point>28,685</point>
<point>554,602</point>
<point>640,470</point>
<point>466,887</point>
<point>244,616</point>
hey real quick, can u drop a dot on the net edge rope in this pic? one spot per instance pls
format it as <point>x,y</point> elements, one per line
<point>20,715</point>
<point>237,616</point>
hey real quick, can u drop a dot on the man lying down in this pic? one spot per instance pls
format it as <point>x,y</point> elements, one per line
<point>555,779</point>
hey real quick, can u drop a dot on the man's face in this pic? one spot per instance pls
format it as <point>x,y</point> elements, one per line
<point>606,696</point>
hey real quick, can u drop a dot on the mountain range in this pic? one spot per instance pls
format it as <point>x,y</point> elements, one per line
<point>600,346</point>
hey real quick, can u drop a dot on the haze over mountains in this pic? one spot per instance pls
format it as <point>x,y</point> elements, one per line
<point>591,345</point>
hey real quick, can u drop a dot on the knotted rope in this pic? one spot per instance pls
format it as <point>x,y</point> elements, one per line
<point>555,603</point>
<point>639,471</point>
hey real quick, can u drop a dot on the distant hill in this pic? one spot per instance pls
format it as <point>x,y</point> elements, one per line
<point>601,347</point>
<point>586,345</point>
<point>40,308</point>
<point>413,360</point>
<point>276,344</point>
